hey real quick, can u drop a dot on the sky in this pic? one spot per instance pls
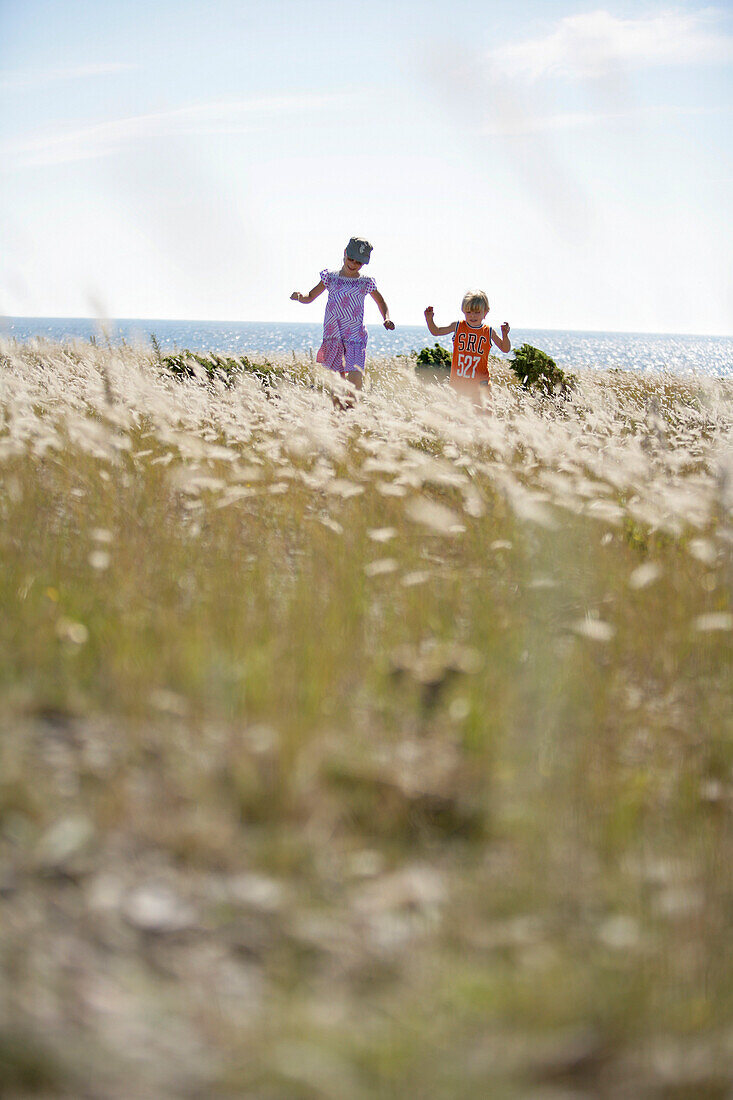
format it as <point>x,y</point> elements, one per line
<point>201,159</point>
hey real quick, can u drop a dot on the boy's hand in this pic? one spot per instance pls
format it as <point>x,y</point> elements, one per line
<point>429,313</point>
<point>389,325</point>
<point>295,296</point>
<point>505,329</point>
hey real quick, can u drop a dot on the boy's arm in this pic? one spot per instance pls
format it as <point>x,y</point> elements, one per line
<point>437,330</point>
<point>383,309</point>
<point>319,288</point>
<point>504,344</point>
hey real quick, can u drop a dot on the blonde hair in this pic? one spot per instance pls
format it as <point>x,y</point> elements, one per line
<point>475,299</point>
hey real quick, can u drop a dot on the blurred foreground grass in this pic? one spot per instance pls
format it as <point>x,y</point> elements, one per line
<point>379,753</point>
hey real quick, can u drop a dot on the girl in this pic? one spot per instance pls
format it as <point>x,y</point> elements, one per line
<point>344,335</point>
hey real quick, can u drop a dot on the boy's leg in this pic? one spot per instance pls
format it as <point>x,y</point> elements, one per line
<point>356,378</point>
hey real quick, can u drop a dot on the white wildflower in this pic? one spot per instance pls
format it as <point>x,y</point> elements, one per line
<point>391,489</point>
<point>442,520</point>
<point>343,488</point>
<point>703,550</point>
<point>606,511</point>
<point>595,629</point>
<point>235,493</point>
<point>619,932</point>
<point>72,632</point>
<point>644,575</point>
<point>473,504</point>
<point>331,524</point>
<point>419,576</point>
<point>714,620</point>
<point>380,567</point>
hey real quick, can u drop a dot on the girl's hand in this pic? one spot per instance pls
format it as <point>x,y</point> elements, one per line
<point>389,325</point>
<point>505,329</point>
<point>295,296</point>
<point>429,313</point>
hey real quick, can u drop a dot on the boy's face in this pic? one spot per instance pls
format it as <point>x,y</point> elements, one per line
<point>475,317</point>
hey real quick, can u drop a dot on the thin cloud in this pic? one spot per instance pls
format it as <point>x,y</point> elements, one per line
<point>500,109</point>
<point>595,44</point>
<point>41,78</point>
<point>510,126</point>
<point>106,138</point>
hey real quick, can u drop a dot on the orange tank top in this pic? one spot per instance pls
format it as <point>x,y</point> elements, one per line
<point>470,363</point>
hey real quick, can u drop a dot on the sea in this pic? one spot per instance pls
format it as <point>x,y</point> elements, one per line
<point>680,355</point>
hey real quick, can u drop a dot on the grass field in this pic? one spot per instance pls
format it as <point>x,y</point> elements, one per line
<point>377,753</point>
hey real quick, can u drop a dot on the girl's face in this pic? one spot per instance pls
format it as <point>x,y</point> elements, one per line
<point>351,267</point>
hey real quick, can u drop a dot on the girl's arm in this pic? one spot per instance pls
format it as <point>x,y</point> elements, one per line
<point>504,344</point>
<point>319,288</point>
<point>437,330</point>
<point>383,309</point>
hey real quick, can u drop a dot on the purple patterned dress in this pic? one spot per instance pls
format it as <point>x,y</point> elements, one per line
<point>344,335</point>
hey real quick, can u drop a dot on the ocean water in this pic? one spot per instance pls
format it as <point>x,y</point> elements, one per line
<point>711,355</point>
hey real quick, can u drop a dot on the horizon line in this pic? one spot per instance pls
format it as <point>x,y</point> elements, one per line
<point>269,321</point>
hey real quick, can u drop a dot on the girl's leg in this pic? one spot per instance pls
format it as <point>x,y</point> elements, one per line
<point>355,362</point>
<point>353,372</point>
<point>345,400</point>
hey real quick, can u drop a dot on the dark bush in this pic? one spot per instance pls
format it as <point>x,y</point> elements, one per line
<point>430,358</point>
<point>536,369</point>
<point>183,365</point>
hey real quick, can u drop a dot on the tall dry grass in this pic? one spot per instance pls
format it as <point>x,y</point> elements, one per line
<point>376,753</point>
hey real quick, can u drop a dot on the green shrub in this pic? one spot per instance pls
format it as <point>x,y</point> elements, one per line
<point>536,369</point>
<point>183,365</point>
<point>430,358</point>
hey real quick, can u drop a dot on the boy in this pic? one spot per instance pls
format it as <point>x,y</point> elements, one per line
<point>472,341</point>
